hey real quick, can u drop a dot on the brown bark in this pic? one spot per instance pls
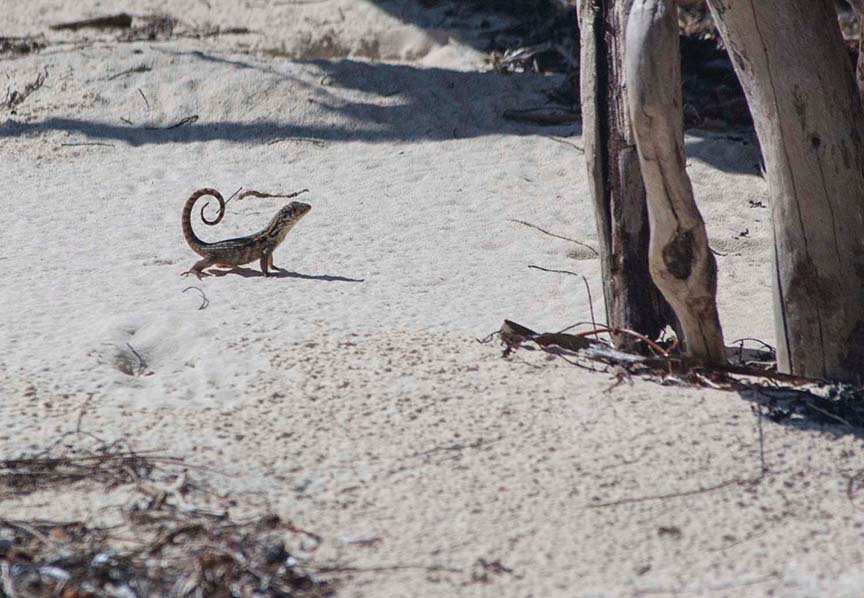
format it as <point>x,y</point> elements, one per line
<point>682,265</point>
<point>793,66</point>
<point>632,299</point>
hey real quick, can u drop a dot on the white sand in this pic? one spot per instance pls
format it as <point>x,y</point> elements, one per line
<point>328,392</point>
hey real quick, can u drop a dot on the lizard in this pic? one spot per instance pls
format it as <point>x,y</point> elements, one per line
<point>243,250</point>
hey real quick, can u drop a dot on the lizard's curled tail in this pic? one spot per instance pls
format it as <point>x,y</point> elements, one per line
<point>197,245</point>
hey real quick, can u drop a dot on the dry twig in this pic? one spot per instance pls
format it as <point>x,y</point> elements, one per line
<point>138,69</point>
<point>310,140</point>
<point>183,121</point>
<point>587,290</point>
<point>204,300</point>
<point>146,102</point>
<point>14,98</point>
<point>546,232</point>
<point>142,365</point>
<point>85,143</point>
<point>217,556</point>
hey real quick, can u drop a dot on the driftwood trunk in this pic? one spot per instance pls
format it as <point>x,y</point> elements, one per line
<point>632,299</point>
<point>790,58</point>
<point>681,262</point>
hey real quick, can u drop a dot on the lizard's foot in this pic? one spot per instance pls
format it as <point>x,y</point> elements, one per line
<point>197,273</point>
<point>277,268</point>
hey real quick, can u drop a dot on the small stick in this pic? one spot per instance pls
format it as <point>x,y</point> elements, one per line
<point>546,232</point>
<point>86,143</point>
<point>572,326</point>
<point>630,501</point>
<point>145,99</point>
<point>312,140</point>
<point>767,347</point>
<point>565,142</point>
<point>456,447</point>
<point>348,569</point>
<point>253,193</point>
<point>142,365</point>
<point>629,332</point>
<point>185,121</point>
<point>829,414</point>
<point>138,69</point>
<point>204,300</point>
<point>204,207</point>
<point>587,288</point>
<point>541,268</point>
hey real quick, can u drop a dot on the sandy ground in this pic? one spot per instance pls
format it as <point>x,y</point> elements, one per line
<point>350,393</point>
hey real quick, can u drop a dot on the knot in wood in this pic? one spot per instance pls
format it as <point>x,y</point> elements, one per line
<point>679,253</point>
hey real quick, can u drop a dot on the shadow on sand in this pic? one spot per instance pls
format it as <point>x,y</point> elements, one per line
<point>251,273</point>
<point>428,104</point>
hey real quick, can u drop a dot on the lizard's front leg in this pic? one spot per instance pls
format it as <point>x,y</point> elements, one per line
<point>265,261</point>
<point>198,268</point>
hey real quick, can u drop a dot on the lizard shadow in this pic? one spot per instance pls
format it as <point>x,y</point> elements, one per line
<point>250,273</point>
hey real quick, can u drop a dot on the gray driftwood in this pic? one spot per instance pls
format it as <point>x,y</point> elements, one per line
<point>681,263</point>
<point>790,58</point>
<point>632,299</point>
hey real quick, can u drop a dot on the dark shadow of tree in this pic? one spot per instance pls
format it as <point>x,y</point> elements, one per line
<point>838,415</point>
<point>432,104</point>
<point>736,152</point>
<point>473,22</point>
<point>428,104</point>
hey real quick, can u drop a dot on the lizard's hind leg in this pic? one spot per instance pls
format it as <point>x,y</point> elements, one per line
<point>274,266</point>
<point>198,268</point>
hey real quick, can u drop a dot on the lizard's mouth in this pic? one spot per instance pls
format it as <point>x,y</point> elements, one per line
<point>302,208</point>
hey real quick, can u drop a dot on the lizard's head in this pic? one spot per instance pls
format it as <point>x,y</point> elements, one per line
<point>286,218</point>
<point>292,213</point>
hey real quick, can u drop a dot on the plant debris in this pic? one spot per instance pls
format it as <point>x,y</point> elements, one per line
<point>753,375</point>
<point>174,538</point>
<point>15,98</point>
<point>541,42</point>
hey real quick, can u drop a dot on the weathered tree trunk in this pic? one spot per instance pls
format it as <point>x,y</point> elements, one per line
<point>790,58</point>
<point>681,262</point>
<point>632,300</point>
